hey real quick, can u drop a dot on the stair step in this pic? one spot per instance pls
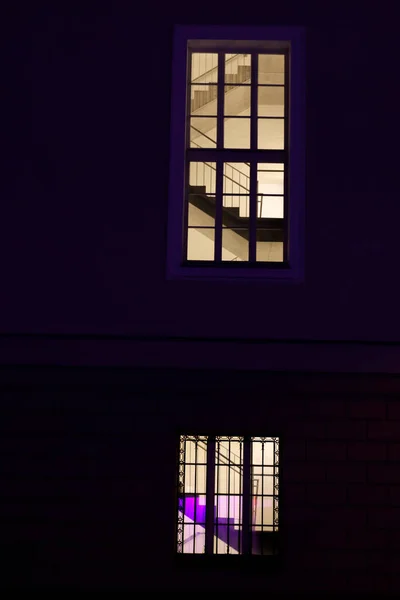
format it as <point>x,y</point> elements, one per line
<point>233,210</point>
<point>197,189</point>
<point>244,72</point>
<point>202,97</point>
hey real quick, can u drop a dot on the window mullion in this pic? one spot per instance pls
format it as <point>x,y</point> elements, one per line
<point>210,495</point>
<point>220,167</point>
<point>254,101</point>
<point>246,517</point>
<point>253,165</point>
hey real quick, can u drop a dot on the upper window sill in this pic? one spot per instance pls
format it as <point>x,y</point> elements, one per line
<point>234,271</point>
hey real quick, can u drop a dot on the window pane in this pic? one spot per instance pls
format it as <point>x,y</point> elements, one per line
<point>271,101</point>
<point>270,178</point>
<point>200,243</point>
<point>235,244</point>
<point>193,508</point>
<point>270,213</point>
<point>202,177</point>
<point>237,101</point>
<point>271,134</point>
<point>201,211</point>
<point>201,452</point>
<point>236,178</point>
<point>189,479</point>
<point>263,480</point>
<point>237,68</point>
<point>271,69</point>
<point>200,539</point>
<point>265,490</point>
<point>263,511</point>
<point>236,209</point>
<point>201,198</point>
<point>262,452</point>
<point>228,500</point>
<point>203,99</point>
<point>204,67</point>
<point>200,479</point>
<point>203,132</point>
<point>237,133</point>
<point>192,498</point>
<point>268,251</point>
<point>270,207</point>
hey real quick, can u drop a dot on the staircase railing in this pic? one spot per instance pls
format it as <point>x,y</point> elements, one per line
<point>235,466</point>
<point>241,174</point>
<point>203,75</point>
<point>229,83</point>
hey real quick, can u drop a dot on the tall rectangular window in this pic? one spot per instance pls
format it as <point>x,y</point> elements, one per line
<point>237,122</point>
<point>237,195</point>
<point>228,495</point>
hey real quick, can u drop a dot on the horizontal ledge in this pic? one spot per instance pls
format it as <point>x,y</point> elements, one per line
<point>194,339</point>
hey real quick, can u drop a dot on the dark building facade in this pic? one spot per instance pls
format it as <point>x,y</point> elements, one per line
<point>106,359</point>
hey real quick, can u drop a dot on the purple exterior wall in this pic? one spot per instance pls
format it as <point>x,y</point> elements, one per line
<point>88,465</point>
<point>83,239</point>
<point>84,216</point>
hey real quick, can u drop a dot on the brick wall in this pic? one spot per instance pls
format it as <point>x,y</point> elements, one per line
<point>88,473</point>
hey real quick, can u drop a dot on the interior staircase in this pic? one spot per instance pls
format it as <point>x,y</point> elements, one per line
<point>235,212</point>
<point>202,96</point>
<point>226,529</point>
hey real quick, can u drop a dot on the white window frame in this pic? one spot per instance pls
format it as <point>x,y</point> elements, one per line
<point>259,38</point>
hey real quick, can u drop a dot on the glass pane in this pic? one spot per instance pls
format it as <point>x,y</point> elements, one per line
<point>236,178</point>
<point>237,133</point>
<point>237,208</point>
<point>204,67</point>
<point>271,101</point>
<point>259,470</point>
<point>270,181</point>
<point>203,132</point>
<point>272,166</point>
<point>200,479</point>
<point>237,101</point>
<point>237,68</point>
<point>266,250</point>
<point>201,452</point>
<point>270,233</point>
<point>189,451</point>
<point>271,69</point>
<point>271,134</point>
<point>270,207</point>
<point>194,508</point>
<point>263,480</point>
<point>265,489</point>
<point>203,99</point>
<point>201,211</point>
<point>189,479</point>
<point>235,244</point>
<point>262,452</point>
<point>188,535</point>
<point>221,479</point>
<point>200,539</point>
<point>221,536</point>
<point>262,511</point>
<point>200,243</point>
<point>202,177</point>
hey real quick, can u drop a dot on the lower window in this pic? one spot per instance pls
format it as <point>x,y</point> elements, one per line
<point>228,495</point>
